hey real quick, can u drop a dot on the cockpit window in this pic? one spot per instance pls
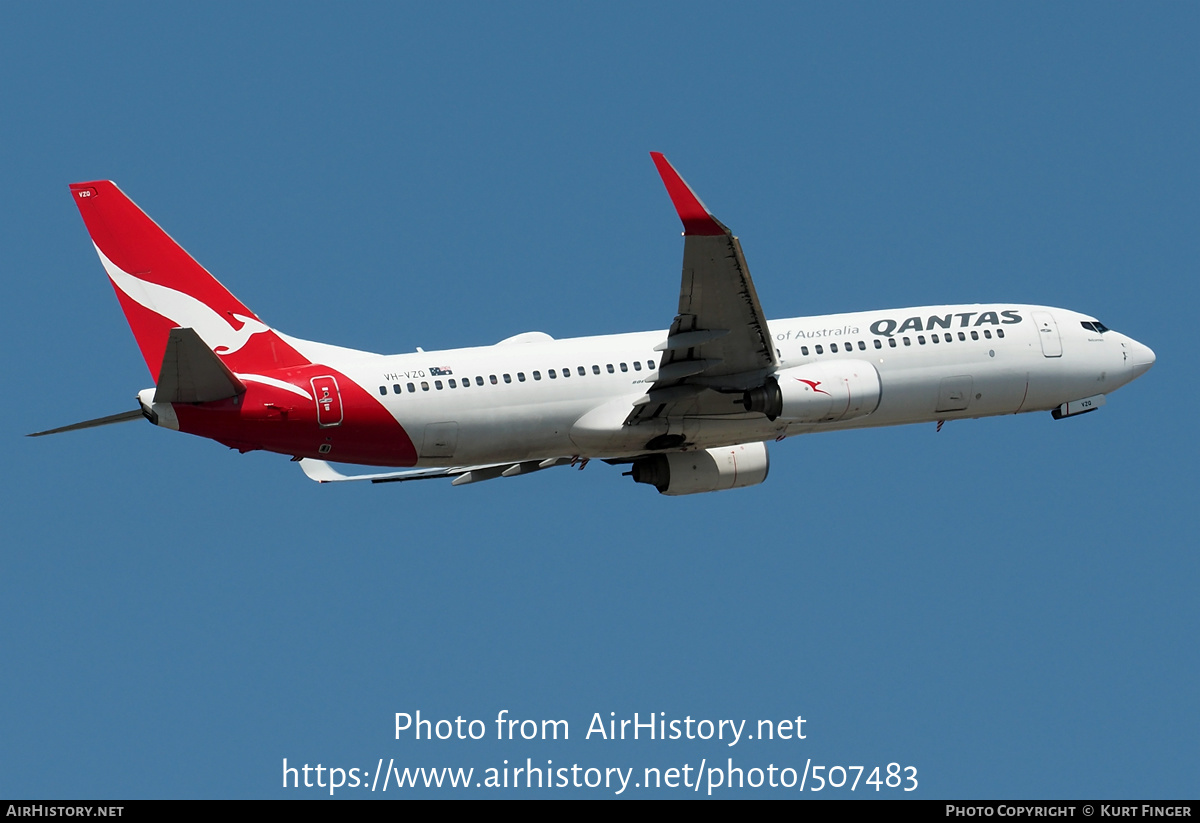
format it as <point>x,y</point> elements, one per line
<point>1094,325</point>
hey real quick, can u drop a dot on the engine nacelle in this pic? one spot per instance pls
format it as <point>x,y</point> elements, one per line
<point>710,470</point>
<point>817,392</point>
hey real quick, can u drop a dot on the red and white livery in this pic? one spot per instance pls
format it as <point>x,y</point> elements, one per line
<point>689,409</point>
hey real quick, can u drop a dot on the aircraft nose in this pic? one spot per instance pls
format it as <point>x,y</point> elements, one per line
<point>1141,358</point>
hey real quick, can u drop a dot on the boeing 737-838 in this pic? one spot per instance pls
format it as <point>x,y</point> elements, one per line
<point>689,409</point>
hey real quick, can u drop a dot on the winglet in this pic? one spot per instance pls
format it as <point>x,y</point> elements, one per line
<point>696,217</point>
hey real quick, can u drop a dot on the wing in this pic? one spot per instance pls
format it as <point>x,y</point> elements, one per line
<point>322,472</point>
<point>719,340</point>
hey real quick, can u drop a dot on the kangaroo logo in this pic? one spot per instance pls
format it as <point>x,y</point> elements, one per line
<point>184,310</point>
<point>812,384</point>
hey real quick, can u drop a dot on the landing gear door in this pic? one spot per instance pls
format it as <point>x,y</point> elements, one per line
<point>329,401</point>
<point>1048,333</point>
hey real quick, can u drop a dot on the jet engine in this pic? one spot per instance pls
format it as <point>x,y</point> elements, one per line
<point>710,470</point>
<point>817,392</point>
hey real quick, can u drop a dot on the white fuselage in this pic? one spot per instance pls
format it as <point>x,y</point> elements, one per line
<point>537,398</point>
<point>691,407</point>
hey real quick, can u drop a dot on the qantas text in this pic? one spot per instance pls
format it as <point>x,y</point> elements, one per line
<point>888,326</point>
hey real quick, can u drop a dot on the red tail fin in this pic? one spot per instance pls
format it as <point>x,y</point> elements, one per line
<point>160,287</point>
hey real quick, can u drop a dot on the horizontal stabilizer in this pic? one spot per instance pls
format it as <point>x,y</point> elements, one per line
<point>192,373</point>
<point>91,424</point>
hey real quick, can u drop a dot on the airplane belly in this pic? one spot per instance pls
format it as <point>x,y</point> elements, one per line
<point>975,390</point>
<point>711,432</point>
<point>1061,380</point>
<point>506,434</point>
<point>1000,392</point>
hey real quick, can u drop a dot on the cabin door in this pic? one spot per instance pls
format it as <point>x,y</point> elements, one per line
<point>1048,333</point>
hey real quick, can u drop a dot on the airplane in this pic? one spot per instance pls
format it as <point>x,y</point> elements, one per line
<point>688,410</point>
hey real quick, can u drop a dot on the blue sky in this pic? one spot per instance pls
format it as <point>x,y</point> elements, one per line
<point>1008,605</point>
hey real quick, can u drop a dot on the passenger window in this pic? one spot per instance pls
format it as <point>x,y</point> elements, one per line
<point>610,368</point>
<point>962,336</point>
<point>907,342</point>
<point>492,377</point>
<point>934,338</point>
<point>411,387</point>
<point>804,351</point>
<point>987,333</point>
<point>424,386</point>
<point>650,365</point>
<point>819,349</point>
<point>637,365</point>
<point>453,384</point>
<point>892,342</point>
<point>582,371</point>
<point>383,390</point>
<point>999,332</point>
<point>878,343</point>
<point>974,335</point>
<point>508,378</point>
<point>833,348</point>
<point>862,346</point>
<point>521,376</point>
<point>479,381</point>
<point>437,384</point>
<point>595,369</point>
<point>624,367</point>
<point>920,339</point>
